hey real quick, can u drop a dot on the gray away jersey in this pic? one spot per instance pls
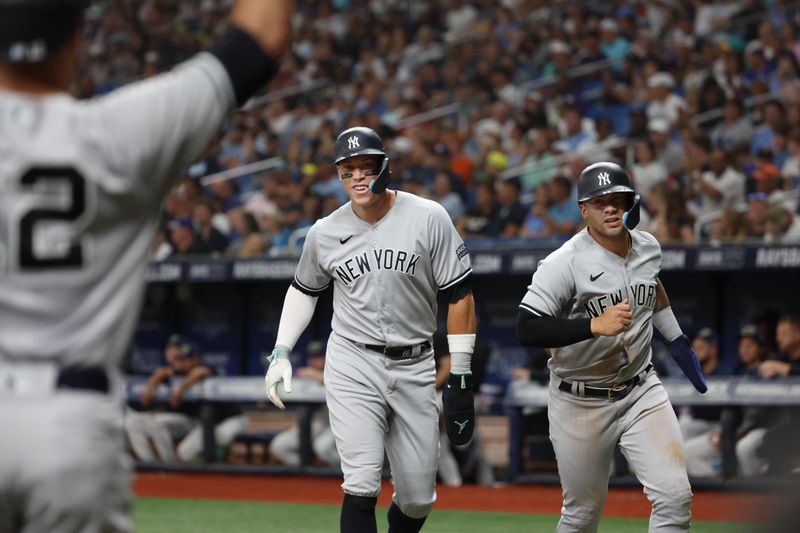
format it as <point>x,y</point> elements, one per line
<point>385,275</point>
<point>582,279</point>
<point>81,185</point>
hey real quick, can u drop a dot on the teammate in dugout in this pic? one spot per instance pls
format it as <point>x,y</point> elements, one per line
<point>81,188</point>
<point>387,253</point>
<point>593,303</point>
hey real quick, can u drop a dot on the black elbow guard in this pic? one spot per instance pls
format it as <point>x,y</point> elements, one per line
<point>249,66</point>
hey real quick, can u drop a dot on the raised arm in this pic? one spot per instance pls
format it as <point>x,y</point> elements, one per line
<point>267,21</point>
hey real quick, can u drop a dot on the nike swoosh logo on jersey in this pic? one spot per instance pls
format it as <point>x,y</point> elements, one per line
<point>342,241</point>
<point>594,278</point>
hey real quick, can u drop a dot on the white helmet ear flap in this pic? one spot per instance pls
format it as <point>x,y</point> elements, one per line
<point>631,216</point>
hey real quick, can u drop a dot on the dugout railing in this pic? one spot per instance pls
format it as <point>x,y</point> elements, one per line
<point>309,395</point>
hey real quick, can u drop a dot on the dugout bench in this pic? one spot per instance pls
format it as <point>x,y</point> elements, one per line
<point>306,397</point>
<point>730,391</point>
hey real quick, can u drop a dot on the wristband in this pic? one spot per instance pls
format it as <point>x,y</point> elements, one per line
<point>461,347</point>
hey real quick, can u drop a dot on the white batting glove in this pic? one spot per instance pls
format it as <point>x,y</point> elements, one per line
<point>280,369</point>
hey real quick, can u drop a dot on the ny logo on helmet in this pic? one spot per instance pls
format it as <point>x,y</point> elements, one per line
<point>603,179</point>
<point>352,142</point>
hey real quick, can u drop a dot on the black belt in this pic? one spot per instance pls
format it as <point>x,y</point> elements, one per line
<point>617,392</point>
<point>83,378</point>
<point>395,352</point>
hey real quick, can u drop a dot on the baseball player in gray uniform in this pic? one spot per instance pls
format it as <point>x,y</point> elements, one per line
<point>387,254</point>
<point>593,303</point>
<point>81,184</point>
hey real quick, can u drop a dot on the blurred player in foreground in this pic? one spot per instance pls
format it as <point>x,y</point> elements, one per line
<point>81,186</point>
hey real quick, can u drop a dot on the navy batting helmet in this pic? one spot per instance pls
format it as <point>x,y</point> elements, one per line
<point>32,30</point>
<point>364,141</point>
<point>607,178</point>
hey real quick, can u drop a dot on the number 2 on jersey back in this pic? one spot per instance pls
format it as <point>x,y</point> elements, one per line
<point>71,255</point>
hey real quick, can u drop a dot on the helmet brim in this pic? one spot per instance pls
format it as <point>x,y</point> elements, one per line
<point>605,190</point>
<point>365,151</point>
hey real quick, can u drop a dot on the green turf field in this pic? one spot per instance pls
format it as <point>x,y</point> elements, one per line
<point>153,515</point>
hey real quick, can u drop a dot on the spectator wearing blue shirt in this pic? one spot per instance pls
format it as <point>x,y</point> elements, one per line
<point>535,226</point>
<point>764,137</point>
<point>575,138</point>
<point>293,221</point>
<point>614,46</point>
<point>563,215</point>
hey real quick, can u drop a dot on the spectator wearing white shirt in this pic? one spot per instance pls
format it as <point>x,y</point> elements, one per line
<point>768,181</point>
<point>720,186</point>
<point>782,226</point>
<point>664,103</point>
<point>791,167</point>
<point>668,151</point>
<point>647,170</point>
<point>423,50</point>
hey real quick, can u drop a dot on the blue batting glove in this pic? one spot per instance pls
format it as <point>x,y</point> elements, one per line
<point>681,351</point>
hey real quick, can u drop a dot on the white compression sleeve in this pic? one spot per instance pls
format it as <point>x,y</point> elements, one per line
<point>298,308</point>
<point>666,323</point>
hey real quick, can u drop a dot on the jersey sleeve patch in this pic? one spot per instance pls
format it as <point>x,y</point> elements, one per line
<point>461,251</point>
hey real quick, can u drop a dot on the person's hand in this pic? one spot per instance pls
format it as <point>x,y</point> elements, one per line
<point>175,398</point>
<point>773,369</point>
<point>715,439</point>
<point>147,398</point>
<point>613,321</point>
<point>280,370</point>
<point>520,374</point>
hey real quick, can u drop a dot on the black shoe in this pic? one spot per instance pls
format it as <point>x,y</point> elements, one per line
<point>459,408</point>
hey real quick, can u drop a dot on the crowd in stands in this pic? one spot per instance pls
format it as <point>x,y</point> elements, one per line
<point>699,99</point>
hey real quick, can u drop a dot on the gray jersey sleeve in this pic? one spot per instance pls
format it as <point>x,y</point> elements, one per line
<point>310,276</point>
<point>551,289</point>
<point>449,255</point>
<point>154,128</point>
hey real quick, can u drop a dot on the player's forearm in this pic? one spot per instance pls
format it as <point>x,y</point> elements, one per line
<point>267,21</point>
<point>461,334</point>
<point>461,316</point>
<point>549,332</point>
<point>298,309</point>
<point>194,376</point>
<point>157,377</point>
